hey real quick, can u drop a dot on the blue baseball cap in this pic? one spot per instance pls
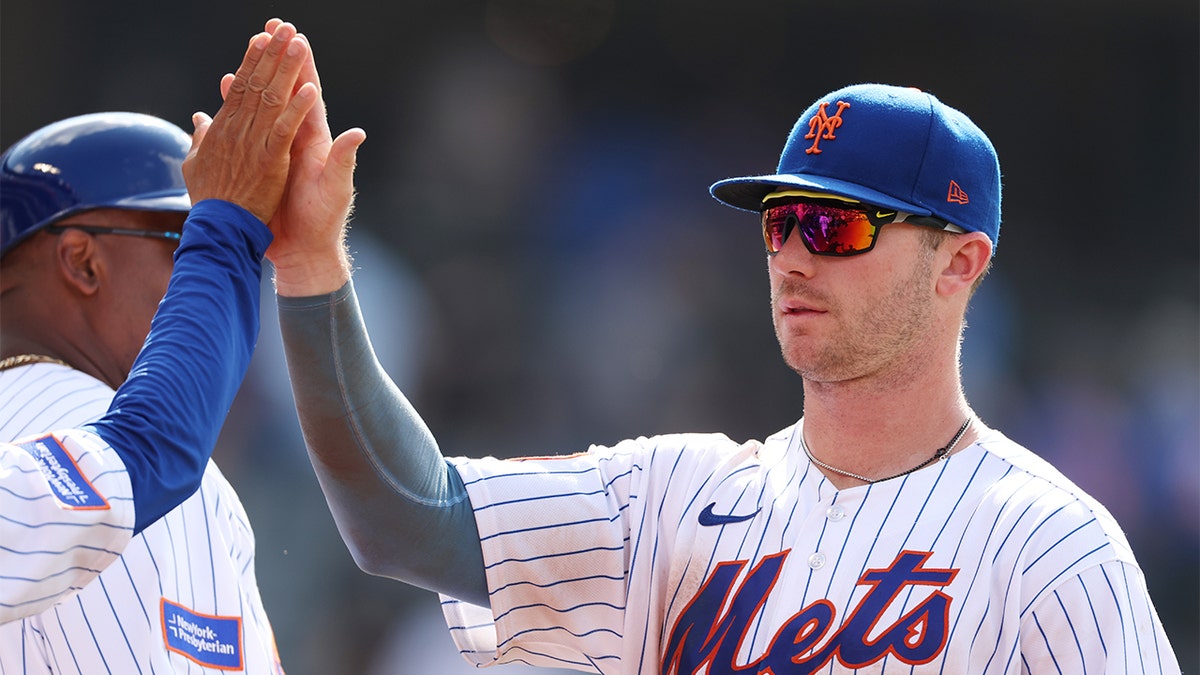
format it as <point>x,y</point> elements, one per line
<point>895,147</point>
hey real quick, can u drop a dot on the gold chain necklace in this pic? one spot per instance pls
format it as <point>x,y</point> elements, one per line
<point>940,453</point>
<point>26,359</point>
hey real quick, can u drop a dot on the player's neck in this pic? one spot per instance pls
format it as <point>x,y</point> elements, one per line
<point>879,431</point>
<point>60,348</point>
<point>69,331</point>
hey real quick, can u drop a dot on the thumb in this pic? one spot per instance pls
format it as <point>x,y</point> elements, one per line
<point>201,121</point>
<point>226,83</point>
<point>343,155</point>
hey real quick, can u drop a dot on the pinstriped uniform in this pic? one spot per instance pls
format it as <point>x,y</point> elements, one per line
<point>49,552</point>
<point>693,554</point>
<point>182,597</point>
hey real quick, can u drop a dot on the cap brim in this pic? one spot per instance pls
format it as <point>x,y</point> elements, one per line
<point>747,193</point>
<point>155,202</point>
<point>169,201</point>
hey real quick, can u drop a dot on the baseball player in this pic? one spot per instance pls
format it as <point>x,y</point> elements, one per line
<point>68,497</point>
<point>92,210</point>
<point>887,530</point>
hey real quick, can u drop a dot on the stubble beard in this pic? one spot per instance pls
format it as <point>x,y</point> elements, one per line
<point>878,340</point>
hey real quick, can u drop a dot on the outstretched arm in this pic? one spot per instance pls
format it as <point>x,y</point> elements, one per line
<point>402,511</point>
<point>400,508</point>
<point>202,336</point>
<point>71,500</point>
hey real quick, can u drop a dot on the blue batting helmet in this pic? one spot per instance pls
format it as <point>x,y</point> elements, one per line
<point>117,160</point>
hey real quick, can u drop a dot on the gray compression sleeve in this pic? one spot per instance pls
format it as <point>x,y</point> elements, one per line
<point>401,509</point>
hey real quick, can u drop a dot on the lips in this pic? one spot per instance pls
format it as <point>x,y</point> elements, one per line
<point>798,306</point>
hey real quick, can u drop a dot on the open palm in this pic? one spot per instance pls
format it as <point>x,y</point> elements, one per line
<point>311,218</point>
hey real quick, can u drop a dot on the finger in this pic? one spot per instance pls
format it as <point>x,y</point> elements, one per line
<point>277,98</point>
<point>227,78</point>
<point>288,123</point>
<point>343,155</point>
<point>309,73</point>
<point>266,68</point>
<point>338,172</point>
<point>272,24</point>
<point>316,128</point>
<point>238,84</point>
<point>201,122</point>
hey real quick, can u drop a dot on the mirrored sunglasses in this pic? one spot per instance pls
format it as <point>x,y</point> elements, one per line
<point>836,229</point>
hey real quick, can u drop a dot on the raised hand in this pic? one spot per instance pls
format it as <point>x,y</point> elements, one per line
<point>309,252</point>
<point>243,154</point>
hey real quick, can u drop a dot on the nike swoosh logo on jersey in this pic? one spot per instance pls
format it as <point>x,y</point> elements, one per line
<point>708,518</point>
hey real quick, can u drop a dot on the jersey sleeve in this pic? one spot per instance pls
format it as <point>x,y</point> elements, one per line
<point>195,357</point>
<point>1099,621</point>
<point>66,513</point>
<point>572,548</point>
<point>552,530</point>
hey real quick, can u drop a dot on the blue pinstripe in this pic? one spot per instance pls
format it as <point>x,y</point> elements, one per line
<point>70,645</point>
<point>941,471</point>
<point>1120,614</point>
<point>124,633</point>
<point>633,558</point>
<point>1045,639</point>
<point>1074,633</point>
<point>963,535</point>
<point>1053,583</point>
<point>553,555</point>
<point>999,549</point>
<point>1095,619</point>
<point>978,568</point>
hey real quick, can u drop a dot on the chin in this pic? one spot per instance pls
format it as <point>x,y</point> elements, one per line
<point>803,364</point>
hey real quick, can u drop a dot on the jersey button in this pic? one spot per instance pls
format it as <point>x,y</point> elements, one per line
<point>835,513</point>
<point>816,561</point>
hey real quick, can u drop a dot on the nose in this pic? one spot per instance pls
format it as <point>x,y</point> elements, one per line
<point>793,258</point>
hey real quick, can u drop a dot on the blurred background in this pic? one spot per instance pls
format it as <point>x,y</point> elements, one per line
<point>541,266</point>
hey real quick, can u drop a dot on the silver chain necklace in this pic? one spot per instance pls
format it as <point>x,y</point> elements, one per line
<point>940,453</point>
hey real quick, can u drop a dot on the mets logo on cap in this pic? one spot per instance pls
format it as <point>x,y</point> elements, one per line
<point>822,126</point>
<point>891,147</point>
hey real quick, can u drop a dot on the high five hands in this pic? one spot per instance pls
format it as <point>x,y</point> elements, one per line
<point>269,149</point>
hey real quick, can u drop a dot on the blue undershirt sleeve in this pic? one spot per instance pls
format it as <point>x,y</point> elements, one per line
<point>165,418</point>
<point>401,509</point>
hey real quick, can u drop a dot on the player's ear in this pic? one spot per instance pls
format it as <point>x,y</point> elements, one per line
<point>76,258</point>
<point>966,257</point>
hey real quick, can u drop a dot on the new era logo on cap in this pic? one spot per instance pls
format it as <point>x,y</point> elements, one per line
<point>893,147</point>
<point>957,194</point>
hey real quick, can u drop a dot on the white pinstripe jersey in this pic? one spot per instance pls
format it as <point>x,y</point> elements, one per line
<point>66,512</point>
<point>692,554</point>
<point>182,598</point>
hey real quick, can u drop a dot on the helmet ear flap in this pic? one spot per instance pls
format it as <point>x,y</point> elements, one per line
<point>118,160</point>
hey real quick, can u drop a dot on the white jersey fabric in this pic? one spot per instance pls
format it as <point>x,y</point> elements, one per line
<point>694,554</point>
<point>66,512</point>
<point>182,598</point>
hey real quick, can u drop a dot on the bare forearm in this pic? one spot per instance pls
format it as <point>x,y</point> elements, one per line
<point>307,276</point>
